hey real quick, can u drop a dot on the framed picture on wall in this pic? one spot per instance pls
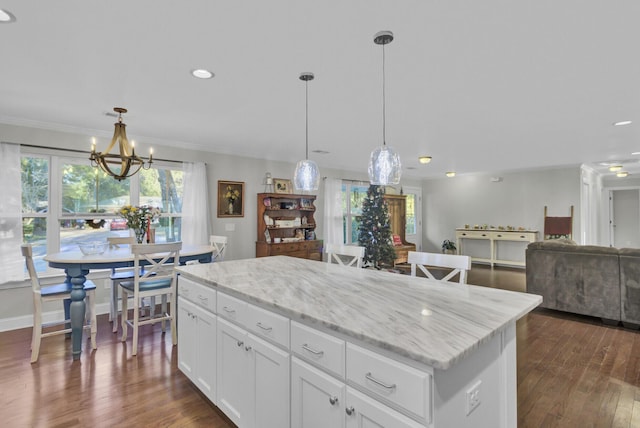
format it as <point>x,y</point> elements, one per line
<point>230,198</point>
<point>281,185</point>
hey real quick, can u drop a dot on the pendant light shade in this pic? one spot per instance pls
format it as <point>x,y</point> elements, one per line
<point>384,165</point>
<point>306,176</point>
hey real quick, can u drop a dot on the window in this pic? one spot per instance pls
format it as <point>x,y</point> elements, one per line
<point>352,196</point>
<point>66,201</point>
<point>410,228</point>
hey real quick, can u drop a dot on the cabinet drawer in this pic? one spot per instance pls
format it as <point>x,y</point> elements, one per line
<point>382,377</point>
<point>477,234</point>
<point>318,348</point>
<point>513,236</point>
<point>268,325</point>
<point>199,294</point>
<point>231,308</point>
<point>284,249</point>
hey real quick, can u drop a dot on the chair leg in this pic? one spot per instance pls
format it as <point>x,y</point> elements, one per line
<point>124,315</point>
<point>36,335</point>
<point>163,324</point>
<point>174,330</point>
<point>136,326</point>
<point>113,313</point>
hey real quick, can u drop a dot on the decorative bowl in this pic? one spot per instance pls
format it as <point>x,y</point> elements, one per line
<point>91,248</point>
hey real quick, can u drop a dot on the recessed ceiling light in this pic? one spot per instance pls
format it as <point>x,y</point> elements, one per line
<point>201,73</point>
<point>450,174</point>
<point>424,159</point>
<point>635,153</point>
<point>411,167</point>
<point>614,168</point>
<point>622,123</point>
<point>622,174</point>
<point>6,17</point>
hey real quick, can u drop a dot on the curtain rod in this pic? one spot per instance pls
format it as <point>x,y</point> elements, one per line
<point>33,146</point>
<point>350,180</point>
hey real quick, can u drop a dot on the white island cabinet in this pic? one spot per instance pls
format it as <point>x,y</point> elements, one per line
<point>305,344</point>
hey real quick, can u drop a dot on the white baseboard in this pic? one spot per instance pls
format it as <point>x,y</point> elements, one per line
<point>7,324</point>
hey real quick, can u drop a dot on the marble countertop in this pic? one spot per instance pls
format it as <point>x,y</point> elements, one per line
<point>427,321</point>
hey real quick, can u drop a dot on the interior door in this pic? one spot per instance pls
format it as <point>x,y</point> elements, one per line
<point>625,218</point>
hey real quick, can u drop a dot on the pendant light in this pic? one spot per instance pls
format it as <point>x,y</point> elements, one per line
<point>306,177</point>
<point>384,165</point>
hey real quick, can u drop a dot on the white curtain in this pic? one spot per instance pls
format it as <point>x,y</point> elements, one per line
<point>333,233</point>
<point>10,214</point>
<point>195,205</point>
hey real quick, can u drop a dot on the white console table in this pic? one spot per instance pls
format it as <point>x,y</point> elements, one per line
<point>494,237</point>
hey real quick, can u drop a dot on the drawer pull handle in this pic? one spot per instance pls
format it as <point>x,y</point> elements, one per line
<point>333,400</point>
<point>522,236</point>
<point>228,309</point>
<point>259,324</point>
<point>350,410</point>
<point>204,299</point>
<point>313,351</point>
<point>240,343</point>
<point>247,348</point>
<point>379,382</point>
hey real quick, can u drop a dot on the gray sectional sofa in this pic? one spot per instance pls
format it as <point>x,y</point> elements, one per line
<point>591,280</point>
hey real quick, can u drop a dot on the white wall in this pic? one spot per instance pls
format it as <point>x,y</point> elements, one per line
<point>518,200</point>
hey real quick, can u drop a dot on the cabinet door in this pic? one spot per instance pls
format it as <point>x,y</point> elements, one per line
<point>364,412</point>
<point>186,338</point>
<point>271,384</point>
<point>234,380</point>
<point>205,353</point>
<point>317,399</point>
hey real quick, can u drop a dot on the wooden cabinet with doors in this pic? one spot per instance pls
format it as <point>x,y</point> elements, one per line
<point>398,221</point>
<point>286,226</point>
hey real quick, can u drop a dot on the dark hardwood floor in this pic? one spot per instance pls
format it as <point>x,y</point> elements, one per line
<point>572,372</point>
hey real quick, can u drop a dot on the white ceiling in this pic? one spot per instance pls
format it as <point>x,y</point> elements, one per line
<point>482,86</point>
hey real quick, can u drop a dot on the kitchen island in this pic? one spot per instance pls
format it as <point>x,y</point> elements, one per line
<point>287,342</point>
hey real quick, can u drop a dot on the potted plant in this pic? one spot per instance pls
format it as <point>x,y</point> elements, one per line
<point>449,247</point>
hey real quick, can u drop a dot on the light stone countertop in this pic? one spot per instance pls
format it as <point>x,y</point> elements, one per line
<point>431,322</point>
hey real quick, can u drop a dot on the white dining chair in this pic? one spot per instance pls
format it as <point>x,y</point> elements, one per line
<point>219,244</point>
<point>423,261</point>
<point>56,293</point>
<point>344,255</point>
<point>117,276</point>
<point>158,279</point>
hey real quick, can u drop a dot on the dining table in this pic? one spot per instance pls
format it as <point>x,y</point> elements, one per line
<point>78,265</point>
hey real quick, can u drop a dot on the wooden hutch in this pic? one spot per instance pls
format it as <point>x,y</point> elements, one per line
<point>398,220</point>
<point>286,226</point>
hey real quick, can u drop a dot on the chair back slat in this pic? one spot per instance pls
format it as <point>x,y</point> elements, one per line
<point>27,253</point>
<point>459,264</point>
<point>219,243</point>
<point>159,261</point>
<point>344,255</point>
<point>116,241</point>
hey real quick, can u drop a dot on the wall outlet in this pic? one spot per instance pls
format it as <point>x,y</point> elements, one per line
<point>473,397</point>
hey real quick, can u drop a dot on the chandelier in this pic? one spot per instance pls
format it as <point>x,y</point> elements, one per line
<point>306,176</point>
<point>384,164</point>
<point>129,163</point>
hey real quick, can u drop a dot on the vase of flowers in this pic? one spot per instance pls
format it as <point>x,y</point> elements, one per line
<point>138,219</point>
<point>231,195</point>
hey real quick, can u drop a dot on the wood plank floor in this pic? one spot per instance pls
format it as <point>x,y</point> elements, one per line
<point>572,372</point>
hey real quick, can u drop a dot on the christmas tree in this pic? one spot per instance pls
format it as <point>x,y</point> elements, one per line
<point>374,233</point>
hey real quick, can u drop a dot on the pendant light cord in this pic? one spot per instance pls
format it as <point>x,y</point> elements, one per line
<point>306,118</point>
<point>384,108</point>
